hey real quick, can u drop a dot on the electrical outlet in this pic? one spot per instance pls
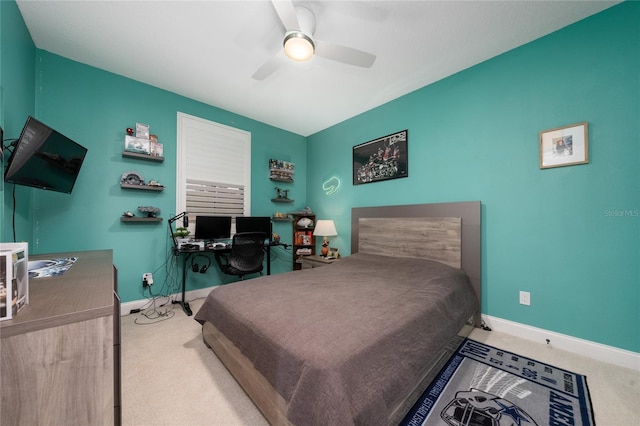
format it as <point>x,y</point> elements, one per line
<point>147,279</point>
<point>525,298</point>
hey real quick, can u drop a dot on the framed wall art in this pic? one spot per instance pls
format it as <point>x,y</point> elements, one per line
<point>381,159</point>
<point>564,146</point>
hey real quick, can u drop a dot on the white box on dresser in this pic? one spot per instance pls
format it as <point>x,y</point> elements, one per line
<point>14,279</point>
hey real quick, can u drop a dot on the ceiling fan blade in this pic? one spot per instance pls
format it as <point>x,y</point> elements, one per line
<point>344,54</point>
<point>269,67</point>
<point>287,14</point>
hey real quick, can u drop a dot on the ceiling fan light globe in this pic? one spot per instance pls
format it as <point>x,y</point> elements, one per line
<point>298,46</point>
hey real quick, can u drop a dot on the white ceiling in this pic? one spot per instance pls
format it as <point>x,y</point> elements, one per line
<point>208,50</point>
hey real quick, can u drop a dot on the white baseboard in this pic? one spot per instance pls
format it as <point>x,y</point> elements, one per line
<point>610,354</point>
<point>127,307</point>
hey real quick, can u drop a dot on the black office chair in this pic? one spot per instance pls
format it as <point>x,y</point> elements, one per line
<point>247,254</point>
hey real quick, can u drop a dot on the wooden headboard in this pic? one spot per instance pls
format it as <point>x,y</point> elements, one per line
<point>449,233</point>
<point>429,238</point>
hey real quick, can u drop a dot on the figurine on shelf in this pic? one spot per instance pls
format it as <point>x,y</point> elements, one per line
<point>280,215</point>
<point>305,222</point>
<point>306,211</point>
<point>282,194</point>
<point>149,210</point>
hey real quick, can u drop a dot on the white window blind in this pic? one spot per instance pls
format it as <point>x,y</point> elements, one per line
<point>213,170</point>
<point>214,199</point>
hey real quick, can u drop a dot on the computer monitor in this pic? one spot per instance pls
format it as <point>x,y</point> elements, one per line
<point>254,224</point>
<point>213,227</point>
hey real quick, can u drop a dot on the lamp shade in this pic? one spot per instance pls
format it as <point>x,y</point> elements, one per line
<point>325,228</point>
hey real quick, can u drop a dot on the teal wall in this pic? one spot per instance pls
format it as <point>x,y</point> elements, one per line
<point>569,235</point>
<point>94,107</point>
<point>17,101</point>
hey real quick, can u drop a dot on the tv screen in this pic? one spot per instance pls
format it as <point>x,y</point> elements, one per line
<point>254,224</point>
<point>44,158</point>
<point>213,227</point>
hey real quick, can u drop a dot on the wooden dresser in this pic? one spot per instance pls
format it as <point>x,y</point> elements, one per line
<point>60,356</point>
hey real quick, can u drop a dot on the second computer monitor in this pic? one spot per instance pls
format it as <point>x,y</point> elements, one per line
<point>213,227</point>
<point>254,224</point>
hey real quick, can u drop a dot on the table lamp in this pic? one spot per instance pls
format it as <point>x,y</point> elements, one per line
<point>325,228</point>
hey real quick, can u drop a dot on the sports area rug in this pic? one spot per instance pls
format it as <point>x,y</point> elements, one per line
<point>482,385</point>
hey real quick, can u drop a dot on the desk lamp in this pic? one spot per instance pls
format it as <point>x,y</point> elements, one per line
<point>325,228</point>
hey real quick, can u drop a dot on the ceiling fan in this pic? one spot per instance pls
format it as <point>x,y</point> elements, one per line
<point>299,45</point>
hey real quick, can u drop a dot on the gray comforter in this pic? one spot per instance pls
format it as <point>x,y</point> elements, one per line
<point>345,343</point>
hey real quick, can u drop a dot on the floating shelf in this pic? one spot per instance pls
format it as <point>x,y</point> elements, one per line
<point>281,219</point>
<point>140,219</point>
<point>139,156</point>
<point>276,179</point>
<point>142,187</point>
<point>281,200</point>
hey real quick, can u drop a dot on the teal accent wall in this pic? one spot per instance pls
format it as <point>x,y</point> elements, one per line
<point>569,235</point>
<point>17,101</point>
<point>94,108</point>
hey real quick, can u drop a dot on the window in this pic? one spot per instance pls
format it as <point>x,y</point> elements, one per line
<point>213,170</point>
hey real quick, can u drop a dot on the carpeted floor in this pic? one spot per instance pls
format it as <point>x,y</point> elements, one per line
<point>169,377</point>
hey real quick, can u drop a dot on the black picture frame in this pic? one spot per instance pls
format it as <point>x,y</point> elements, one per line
<point>381,159</point>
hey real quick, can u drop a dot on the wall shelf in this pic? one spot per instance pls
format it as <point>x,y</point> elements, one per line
<point>281,171</point>
<point>140,219</point>
<point>142,187</point>
<point>129,154</point>
<point>276,179</point>
<point>281,200</point>
<point>281,219</point>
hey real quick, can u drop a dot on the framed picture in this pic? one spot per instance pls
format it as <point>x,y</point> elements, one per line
<point>381,159</point>
<point>564,146</point>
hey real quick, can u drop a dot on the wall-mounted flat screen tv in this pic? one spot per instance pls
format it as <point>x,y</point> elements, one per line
<point>44,158</point>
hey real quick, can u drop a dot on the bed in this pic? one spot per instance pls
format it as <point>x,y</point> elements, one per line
<point>357,341</point>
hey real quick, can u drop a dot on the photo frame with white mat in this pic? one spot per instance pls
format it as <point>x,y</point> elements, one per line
<point>564,146</point>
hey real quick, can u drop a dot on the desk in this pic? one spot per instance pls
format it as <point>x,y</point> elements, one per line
<point>187,253</point>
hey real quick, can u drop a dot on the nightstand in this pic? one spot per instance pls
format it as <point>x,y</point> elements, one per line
<point>314,261</point>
